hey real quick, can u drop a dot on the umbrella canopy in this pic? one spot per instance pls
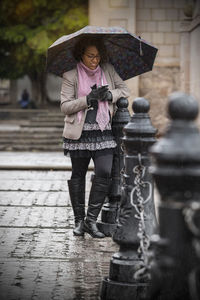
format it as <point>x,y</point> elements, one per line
<point>128,53</point>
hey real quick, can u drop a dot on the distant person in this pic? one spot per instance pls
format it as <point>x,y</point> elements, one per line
<point>25,100</point>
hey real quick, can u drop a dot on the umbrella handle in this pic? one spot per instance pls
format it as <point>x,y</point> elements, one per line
<point>141,52</point>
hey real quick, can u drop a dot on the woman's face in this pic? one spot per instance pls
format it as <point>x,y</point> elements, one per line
<point>91,57</point>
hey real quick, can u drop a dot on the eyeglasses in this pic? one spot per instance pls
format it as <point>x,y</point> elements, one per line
<point>92,57</point>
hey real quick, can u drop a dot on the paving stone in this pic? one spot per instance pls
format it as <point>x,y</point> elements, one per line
<point>42,175</point>
<point>12,198</point>
<point>39,256</point>
<point>49,185</point>
<point>28,279</point>
<point>36,185</point>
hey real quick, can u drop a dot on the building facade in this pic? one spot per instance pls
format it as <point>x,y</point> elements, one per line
<point>173,27</point>
<point>158,22</point>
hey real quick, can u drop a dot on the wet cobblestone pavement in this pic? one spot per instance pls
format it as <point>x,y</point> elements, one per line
<point>39,256</point>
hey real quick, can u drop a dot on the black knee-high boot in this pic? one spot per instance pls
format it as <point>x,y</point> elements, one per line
<point>77,195</point>
<point>98,192</point>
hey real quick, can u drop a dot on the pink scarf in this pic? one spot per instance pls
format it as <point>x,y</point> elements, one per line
<point>86,79</point>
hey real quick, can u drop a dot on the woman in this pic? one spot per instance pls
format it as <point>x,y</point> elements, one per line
<point>88,96</point>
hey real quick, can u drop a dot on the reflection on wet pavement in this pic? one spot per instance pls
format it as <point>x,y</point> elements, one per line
<point>39,256</point>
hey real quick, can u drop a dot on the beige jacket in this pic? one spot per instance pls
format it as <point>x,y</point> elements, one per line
<point>71,104</point>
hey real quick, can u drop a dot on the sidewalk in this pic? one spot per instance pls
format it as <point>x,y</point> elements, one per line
<point>39,256</point>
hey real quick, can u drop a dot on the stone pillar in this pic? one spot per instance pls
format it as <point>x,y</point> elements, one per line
<point>109,212</point>
<point>185,57</point>
<point>176,169</point>
<point>194,59</point>
<point>189,59</point>
<point>116,13</point>
<point>13,92</point>
<point>128,278</point>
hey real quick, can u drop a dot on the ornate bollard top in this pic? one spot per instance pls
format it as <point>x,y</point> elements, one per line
<point>176,156</point>
<point>182,107</point>
<point>120,119</point>
<point>181,142</point>
<point>140,105</point>
<point>122,102</point>
<point>122,115</point>
<point>139,133</point>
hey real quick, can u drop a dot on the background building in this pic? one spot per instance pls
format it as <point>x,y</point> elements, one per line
<point>173,26</point>
<point>169,26</point>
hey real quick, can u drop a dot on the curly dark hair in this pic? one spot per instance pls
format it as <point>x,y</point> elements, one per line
<point>86,41</point>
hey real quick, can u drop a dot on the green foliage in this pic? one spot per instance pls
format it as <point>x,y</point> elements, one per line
<point>29,27</point>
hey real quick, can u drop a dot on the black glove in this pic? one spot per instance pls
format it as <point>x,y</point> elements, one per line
<point>92,97</point>
<point>107,96</point>
<point>104,94</point>
<point>101,90</point>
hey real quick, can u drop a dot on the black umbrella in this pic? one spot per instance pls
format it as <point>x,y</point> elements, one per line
<point>128,53</point>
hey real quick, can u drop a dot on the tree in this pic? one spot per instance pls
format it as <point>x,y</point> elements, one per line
<point>27,29</point>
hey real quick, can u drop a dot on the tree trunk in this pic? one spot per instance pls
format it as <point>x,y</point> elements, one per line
<point>38,83</point>
<point>13,93</point>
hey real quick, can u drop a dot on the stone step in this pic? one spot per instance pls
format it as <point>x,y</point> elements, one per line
<point>18,129</point>
<point>43,124</point>
<point>18,114</point>
<point>38,147</point>
<point>50,114</point>
<point>47,119</point>
<point>31,141</point>
<point>25,135</point>
<point>31,130</point>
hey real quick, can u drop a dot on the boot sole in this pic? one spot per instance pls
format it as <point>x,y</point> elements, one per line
<point>92,234</point>
<point>78,234</point>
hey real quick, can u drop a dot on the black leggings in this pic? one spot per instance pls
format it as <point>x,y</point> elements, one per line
<point>102,165</point>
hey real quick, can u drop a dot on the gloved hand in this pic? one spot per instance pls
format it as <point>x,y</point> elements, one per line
<point>107,96</point>
<point>92,97</point>
<point>104,94</point>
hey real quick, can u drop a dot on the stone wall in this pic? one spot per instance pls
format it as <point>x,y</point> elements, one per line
<point>158,22</point>
<point>156,86</point>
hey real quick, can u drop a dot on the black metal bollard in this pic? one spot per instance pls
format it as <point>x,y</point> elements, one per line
<point>128,278</point>
<point>110,209</point>
<point>175,269</point>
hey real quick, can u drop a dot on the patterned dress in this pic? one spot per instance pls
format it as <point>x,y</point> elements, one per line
<point>92,139</point>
